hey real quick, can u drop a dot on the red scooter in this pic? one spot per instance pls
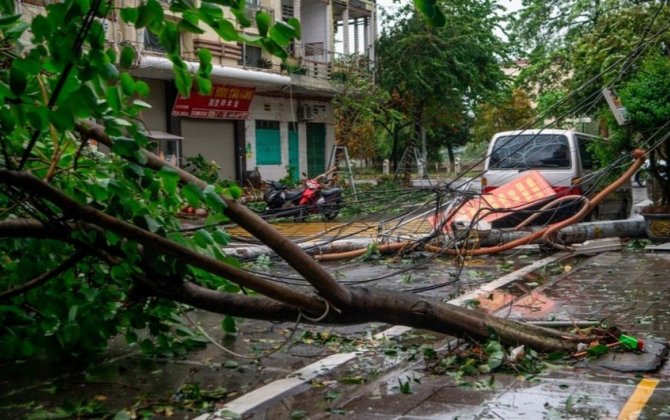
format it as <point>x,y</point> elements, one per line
<point>313,198</point>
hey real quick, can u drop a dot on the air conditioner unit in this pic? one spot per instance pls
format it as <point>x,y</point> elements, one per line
<point>305,113</point>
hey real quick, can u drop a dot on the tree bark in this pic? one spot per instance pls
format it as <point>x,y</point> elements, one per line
<point>337,304</point>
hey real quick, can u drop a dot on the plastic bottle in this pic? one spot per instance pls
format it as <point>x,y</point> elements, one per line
<point>631,343</point>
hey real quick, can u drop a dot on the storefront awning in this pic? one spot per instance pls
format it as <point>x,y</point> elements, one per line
<point>162,135</point>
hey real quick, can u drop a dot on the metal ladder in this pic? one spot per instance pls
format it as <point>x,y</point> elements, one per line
<point>347,162</point>
<point>411,158</point>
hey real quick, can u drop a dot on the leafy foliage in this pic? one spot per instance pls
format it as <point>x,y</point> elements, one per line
<point>434,74</point>
<point>648,107</point>
<point>55,72</point>
<point>508,112</point>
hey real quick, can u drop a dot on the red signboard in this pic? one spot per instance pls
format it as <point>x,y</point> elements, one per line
<point>225,103</point>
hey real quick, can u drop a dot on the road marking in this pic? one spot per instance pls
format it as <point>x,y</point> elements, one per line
<point>281,387</point>
<point>292,384</point>
<point>508,278</point>
<point>638,399</point>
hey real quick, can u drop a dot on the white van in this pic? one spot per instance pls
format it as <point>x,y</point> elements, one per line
<point>561,156</point>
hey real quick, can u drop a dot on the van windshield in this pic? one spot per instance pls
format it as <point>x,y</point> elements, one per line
<point>531,151</point>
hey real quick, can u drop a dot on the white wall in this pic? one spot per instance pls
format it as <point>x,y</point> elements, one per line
<point>284,111</point>
<point>272,109</point>
<point>314,21</point>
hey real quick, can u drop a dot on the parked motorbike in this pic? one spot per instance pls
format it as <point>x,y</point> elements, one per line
<point>312,198</point>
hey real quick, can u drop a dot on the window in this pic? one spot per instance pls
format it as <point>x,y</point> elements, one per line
<point>250,56</point>
<point>527,151</point>
<point>151,42</point>
<point>588,162</point>
<point>268,143</point>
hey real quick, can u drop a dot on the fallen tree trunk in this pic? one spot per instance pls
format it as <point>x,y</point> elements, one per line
<point>328,302</point>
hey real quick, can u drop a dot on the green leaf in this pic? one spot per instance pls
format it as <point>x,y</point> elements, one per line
<point>149,14</point>
<point>205,58</point>
<point>70,333</point>
<point>125,146</point>
<point>203,239</point>
<point>169,38</point>
<point>41,28</point>
<point>228,324</point>
<point>127,84</point>
<point>231,364</point>
<point>182,77</point>
<point>62,119</point>
<point>72,314</point>
<point>18,79</point>
<point>295,23</point>
<point>150,224</point>
<point>250,39</point>
<point>7,120</point>
<point>147,346</point>
<point>227,3</point>
<point>274,48</point>
<point>192,194</point>
<point>113,96</point>
<point>235,192</point>
<point>169,179</point>
<point>597,350</point>
<point>241,16</point>
<point>282,33</point>
<point>7,7</point>
<point>263,22</point>
<point>204,85</point>
<point>6,21</point>
<point>496,359</point>
<point>213,199</point>
<point>221,237</point>
<point>142,88</point>
<point>38,118</point>
<point>225,30</point>
<point>129,14</point>
<point>187,26</point>
<point>127,57</point>
<point>82,102</point>
<point>431,12</point>
<point>216,218</point>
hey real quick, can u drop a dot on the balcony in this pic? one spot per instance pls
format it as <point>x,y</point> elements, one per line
<point>255,6</point>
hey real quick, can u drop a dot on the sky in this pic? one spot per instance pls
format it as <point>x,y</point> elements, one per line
<point>510,5</point>
<point>389,5</point>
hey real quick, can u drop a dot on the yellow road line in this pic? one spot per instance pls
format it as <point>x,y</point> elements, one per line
<point>638,399</point>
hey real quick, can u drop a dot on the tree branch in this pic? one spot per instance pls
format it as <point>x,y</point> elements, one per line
<point>158,243</point>
<point>327,286</point>
<point>39,280</point>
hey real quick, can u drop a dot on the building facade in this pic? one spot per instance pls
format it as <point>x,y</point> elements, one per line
<point>262,114</point>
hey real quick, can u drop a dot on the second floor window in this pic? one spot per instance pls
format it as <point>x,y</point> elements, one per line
<point>253,57</point>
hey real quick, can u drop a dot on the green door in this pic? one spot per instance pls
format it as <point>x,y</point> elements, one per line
<point>316,149</point>
<point>268,143</point>
<point>294,151</point>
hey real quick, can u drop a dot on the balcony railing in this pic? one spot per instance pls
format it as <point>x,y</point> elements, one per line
<point>252,8</point>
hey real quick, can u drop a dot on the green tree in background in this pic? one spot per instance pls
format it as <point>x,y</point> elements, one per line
<point>436,74</point>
